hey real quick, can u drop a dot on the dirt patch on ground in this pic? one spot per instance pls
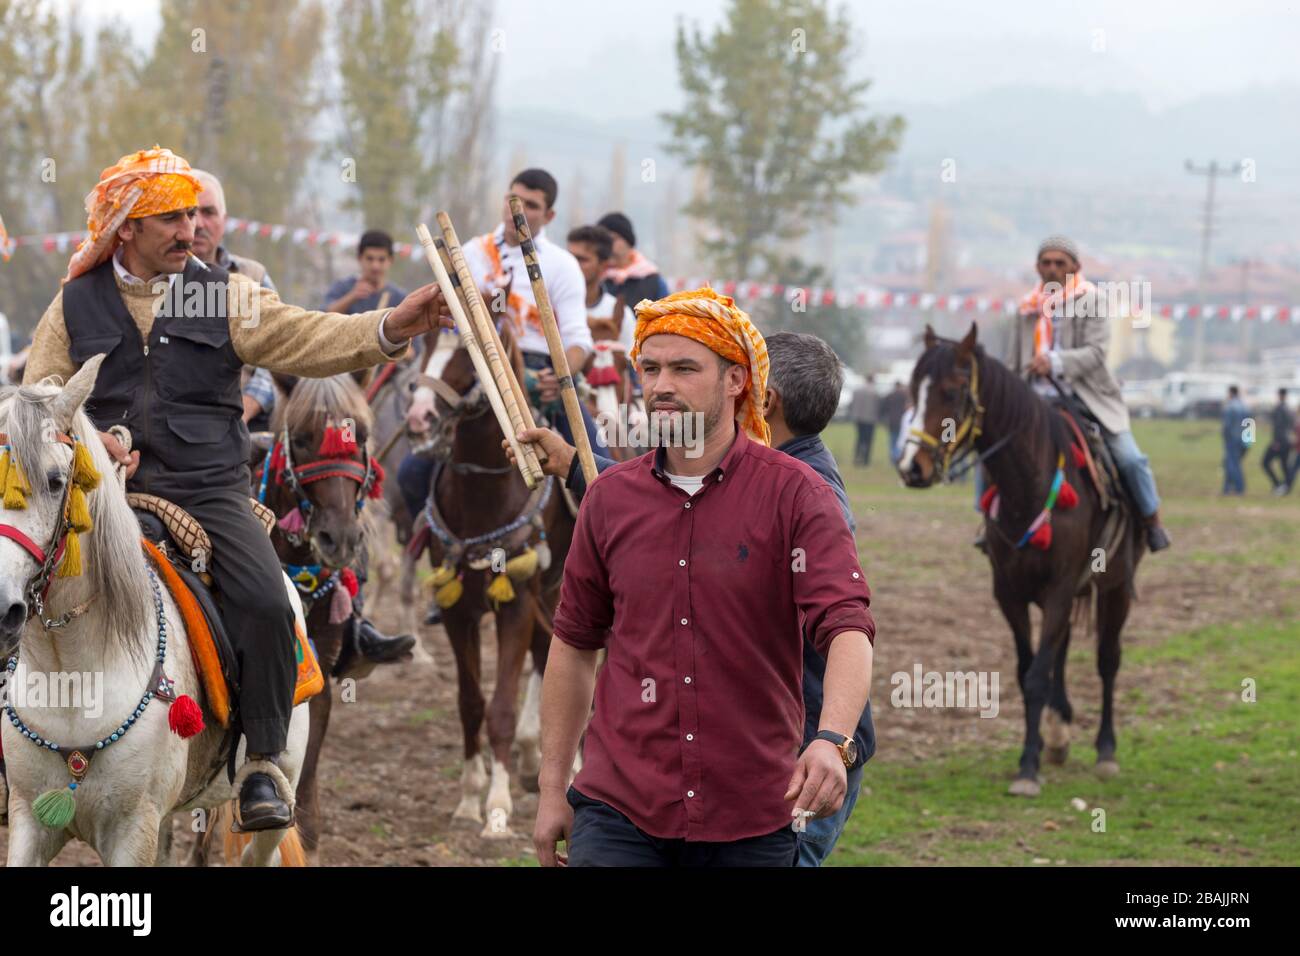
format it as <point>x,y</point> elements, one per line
<point>390,772</point>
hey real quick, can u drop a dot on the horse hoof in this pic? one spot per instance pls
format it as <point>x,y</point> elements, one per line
<point>495,831</point>
<point>1020,787</point>
<point>468,811</point>
<point>1106,769</point>
<point>1056,755</point>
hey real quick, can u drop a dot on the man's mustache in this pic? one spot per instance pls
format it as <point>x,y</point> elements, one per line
<point>181,247</point>
<point>659,400</point>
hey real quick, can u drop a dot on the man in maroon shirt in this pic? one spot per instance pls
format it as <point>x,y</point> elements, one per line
<point>694,567</point>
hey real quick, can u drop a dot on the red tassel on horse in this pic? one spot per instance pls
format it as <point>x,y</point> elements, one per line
<point>986,499</point>
<point>1067,497</point>
<point>331,444</point>
<point>277,461</point>
<point>1080,459</point>
<point>1042,539</point>
<point>348,578</point>
<point>185,717</point>
<point>377,489</point>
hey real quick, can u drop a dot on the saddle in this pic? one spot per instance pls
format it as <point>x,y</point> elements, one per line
<point>173,539</point>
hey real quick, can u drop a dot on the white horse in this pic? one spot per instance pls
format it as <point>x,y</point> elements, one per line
<point>124,801</point>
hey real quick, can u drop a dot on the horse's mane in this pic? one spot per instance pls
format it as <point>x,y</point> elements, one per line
<point>1010,405</point>
<point>313,400</point>
<point>112,560</point>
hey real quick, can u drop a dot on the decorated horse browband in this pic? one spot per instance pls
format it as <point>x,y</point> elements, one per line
<point>75,516</point>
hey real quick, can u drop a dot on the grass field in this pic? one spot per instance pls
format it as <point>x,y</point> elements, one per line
<point>1207,777</point>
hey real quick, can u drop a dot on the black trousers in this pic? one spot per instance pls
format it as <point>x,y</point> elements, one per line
<point>862,451</point>
<point>601,836</point>
<point>255,609</point>
<point>1280,453</point>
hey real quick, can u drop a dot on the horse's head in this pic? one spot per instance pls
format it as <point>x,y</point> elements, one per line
<point>65,518</point>
<point>945,407</point>
<point>321,467</point>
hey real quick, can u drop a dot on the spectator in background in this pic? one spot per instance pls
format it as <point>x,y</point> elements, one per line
<point>864,410</point>
<point>210,229</point>
<point>1234,442</point>
<point>370,289</point>
<point>892,407</point>
<point>1279,449</point>
<point>630,274</point>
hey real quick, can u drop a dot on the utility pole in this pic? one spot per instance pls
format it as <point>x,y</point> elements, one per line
<point>1211,173</point>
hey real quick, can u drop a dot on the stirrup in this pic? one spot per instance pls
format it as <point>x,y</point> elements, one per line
<point>282,789</point>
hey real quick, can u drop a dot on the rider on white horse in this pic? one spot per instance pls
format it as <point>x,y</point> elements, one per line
<point>175,333</point>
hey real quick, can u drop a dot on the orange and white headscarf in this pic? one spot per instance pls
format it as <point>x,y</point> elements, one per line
<point>714,321</point>
<point>148,182</point>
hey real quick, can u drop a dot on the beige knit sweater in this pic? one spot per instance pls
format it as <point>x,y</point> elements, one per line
<point>283,338</point>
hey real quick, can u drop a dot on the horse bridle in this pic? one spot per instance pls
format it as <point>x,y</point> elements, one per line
<point>463,408</point>
<point>38,585</point>
<point>962,445</point>
<point>363,472</point>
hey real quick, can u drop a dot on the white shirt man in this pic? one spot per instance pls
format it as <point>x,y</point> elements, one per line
<point>492,261</point>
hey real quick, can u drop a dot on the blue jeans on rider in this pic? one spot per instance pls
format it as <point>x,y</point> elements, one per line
<point>1135,469</point>
<point>819,836</point>
<point>980,485</point>
<point>413,477</point>
<point>535,361</point>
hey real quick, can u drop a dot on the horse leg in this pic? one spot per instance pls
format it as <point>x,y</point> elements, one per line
<point>1112,612</point>
<point>163,857</point>
<point>1058,713</point>
<point>528,734</point>
<point>132,840</point>
<point>1036,686</point>
<point>30,843</point>
<point>409,614</point>
<point>463,633</point>
<point>307,793</point>
<point>515,623</point>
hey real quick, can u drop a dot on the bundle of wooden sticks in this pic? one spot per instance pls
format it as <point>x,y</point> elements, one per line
<point>478,333</point>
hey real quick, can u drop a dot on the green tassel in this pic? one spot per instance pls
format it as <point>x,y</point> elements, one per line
<point>55,808</point>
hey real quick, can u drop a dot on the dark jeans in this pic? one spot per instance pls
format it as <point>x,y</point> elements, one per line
<point>862,451</point>
<point>256,611</point>
<point>413,477</point>
<point>1282,455</point>
<point>602,836</point>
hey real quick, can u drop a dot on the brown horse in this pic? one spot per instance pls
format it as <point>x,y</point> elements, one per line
<point>338,518</point>
<point>967,405</point>
<point>498,548</point>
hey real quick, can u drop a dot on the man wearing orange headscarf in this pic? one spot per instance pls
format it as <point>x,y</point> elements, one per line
<point>173,333</point>
<point>694,566</point>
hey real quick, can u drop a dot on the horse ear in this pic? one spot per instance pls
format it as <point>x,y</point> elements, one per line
<point>65,405</point>
<point>967,345</point>
<point>930,338</point>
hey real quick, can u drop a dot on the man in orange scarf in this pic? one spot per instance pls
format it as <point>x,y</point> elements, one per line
<point>170,374</point>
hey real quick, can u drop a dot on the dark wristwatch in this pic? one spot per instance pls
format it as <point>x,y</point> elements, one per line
<point>847,746</point>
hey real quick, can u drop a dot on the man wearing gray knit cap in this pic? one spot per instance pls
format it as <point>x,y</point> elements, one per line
<point>1062,334</point>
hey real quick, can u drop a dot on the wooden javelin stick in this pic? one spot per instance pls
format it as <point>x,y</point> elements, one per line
<point>472,346</point>
<point>464,281</point>
<point>559,361</point>
<point>502,372</point>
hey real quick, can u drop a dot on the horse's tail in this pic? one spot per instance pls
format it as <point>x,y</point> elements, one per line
<point>291,848</point>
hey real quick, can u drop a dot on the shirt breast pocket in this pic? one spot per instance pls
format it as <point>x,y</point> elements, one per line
<point>196,361</point>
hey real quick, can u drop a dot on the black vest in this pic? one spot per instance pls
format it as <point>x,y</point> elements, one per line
<point>179,395</point>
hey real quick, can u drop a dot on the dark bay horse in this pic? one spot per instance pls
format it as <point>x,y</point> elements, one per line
<point>484,530</point>
<point>968,405</point>
<point>339,517</point>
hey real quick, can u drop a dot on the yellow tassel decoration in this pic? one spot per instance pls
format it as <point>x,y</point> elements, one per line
<point>78,510</point>
<point>71,565</point>
<point>84,475</point>
<point>449,593</point>
<point>522,566</point>
<point>501,591</point>
<point>16,486</point>
<point>444,574</point>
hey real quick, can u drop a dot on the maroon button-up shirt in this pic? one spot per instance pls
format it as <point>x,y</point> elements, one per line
<point>699,709</point>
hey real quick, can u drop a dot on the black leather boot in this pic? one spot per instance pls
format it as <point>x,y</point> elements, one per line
<point>378,647</point>
<point>260,806</point>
